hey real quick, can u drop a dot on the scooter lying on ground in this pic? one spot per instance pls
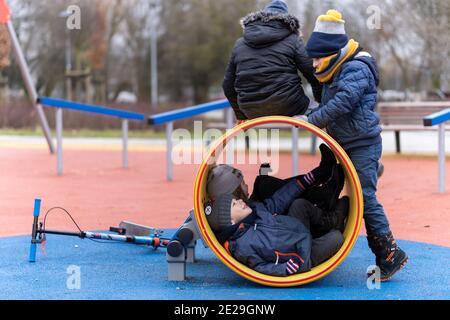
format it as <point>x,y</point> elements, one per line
<point>180,248</point>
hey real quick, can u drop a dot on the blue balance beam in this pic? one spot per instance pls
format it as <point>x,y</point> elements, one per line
<point>100,110</point>
<point>437,118</point>
<point>188,112</point>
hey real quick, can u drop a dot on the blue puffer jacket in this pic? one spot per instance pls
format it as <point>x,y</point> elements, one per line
<point>348,104</point>
<point>265,241</point>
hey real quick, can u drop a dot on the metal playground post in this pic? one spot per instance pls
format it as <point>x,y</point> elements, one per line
<point>439,119</point>
<point>25,71</point>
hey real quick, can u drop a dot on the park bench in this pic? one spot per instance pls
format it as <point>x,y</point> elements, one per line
<point>408,116</point>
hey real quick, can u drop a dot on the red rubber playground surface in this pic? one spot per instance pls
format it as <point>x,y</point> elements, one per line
<point>99,193</point>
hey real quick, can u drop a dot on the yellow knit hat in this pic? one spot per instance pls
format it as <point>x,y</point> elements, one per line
<point>329,35</point>
<point>331,15</point>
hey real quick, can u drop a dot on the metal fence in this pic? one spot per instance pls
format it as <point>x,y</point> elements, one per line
<point>168,119</point>
<point>60,104</point>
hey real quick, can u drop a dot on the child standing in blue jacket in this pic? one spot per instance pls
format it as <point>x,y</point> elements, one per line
<point>347,111</point>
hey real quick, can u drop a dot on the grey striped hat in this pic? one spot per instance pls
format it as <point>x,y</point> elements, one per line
<point>223,179</point>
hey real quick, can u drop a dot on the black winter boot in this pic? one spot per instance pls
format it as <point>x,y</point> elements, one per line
<point>327,164</point>
<point>389,257</point>
<point>321,174</point>
<point>326,195</point>
<point>340,214</point>
<point>332,220</point>
<point>327,156</point>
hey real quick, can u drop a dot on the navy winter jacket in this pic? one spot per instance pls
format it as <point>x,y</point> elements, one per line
<point>348,104</point>
<point>262,76</point>
<point>266,240</point>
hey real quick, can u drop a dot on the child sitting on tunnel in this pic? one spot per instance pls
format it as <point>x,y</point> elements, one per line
<point>260,236</point>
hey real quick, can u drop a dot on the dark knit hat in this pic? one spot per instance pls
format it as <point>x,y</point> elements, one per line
<point>218,213</point>
<point>223,179</point>
<point>277,7</point>
<point>328,36</point>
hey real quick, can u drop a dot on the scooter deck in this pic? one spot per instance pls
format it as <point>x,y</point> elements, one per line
<point>134,229</point>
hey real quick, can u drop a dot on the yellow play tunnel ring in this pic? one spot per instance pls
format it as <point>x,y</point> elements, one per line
<point>351,231</point>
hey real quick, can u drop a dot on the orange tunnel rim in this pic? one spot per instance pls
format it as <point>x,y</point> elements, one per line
<point>244,271</point>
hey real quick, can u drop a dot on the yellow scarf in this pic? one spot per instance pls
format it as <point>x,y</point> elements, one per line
<point>329,65</point>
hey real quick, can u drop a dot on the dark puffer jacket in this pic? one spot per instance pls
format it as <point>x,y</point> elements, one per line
<point>262,76</point>
<point>348,104</point>
<point>265,241</point>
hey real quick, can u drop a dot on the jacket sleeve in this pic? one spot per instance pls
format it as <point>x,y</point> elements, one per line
<point>305,65</point>
<point>351,87</point>
<point>256,263</point>
<point>283,197</point>
<point>229,90</point>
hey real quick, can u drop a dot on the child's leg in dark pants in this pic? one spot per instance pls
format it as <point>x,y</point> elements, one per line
<point>265,186</point>
<point>324,247</point>
<point>366,163</point>
<point>306,212</point>
<point>389,257</point>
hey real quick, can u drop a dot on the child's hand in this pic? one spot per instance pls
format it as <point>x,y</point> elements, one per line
<point>293,265</point>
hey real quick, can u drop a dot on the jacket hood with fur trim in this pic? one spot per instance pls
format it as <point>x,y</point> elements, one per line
<point>262,28</point>
<point>287,19</point>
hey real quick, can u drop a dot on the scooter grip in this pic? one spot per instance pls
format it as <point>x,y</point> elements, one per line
<point>32,257</point>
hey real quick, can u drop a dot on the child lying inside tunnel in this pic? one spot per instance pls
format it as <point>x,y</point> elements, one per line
<point>280,231</point>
